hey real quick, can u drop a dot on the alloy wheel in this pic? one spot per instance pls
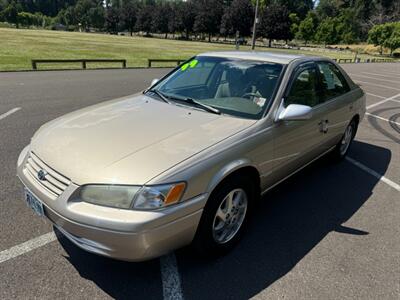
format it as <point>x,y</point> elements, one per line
<point>346,140</point>
<point>230,216</point>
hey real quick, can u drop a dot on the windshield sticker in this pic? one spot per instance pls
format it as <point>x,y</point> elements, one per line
<point>190,64</point>
<point>260,101</point>
<point>193,63</point>
<point>184,67</point>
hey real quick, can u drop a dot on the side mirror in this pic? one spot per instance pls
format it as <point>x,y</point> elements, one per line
<point>296,112</point>
<point>154,81</point>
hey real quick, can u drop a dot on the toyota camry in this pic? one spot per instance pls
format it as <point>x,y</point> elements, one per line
<point>185,161</point>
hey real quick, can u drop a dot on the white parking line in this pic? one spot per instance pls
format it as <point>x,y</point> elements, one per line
<point>383,101</point>
<point>27,246</point>
<point>387,120</point>
<point>376,74</point>
<point>370,77</point>
<point>374,173</point>
<point>10,112</point>
<point>373,95</point>
<point>391,72</point>
<point>380,85</point>
<point>171,280</point>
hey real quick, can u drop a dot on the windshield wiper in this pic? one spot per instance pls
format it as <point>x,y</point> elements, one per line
<point>204,106</point>
<point>198,104</point>
<point>160,95</point>
<point>165,98</point>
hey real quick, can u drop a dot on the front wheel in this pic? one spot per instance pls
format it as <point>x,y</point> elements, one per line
<point>225,217</point>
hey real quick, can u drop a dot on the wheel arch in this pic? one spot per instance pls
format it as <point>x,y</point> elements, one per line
<point>239,167</point>
<point>356,118</point>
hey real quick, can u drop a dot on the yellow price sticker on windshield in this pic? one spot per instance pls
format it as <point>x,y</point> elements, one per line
<point>193,63</point>
<point>190,64</point>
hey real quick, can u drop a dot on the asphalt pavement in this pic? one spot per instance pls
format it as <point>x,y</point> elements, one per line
<point>330,232</point>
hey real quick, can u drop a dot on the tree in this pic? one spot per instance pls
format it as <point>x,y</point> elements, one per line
<point>393,42</point>
<point>161,15</point>
<point>300,7</point>
<point>379,34</point>
<point>129,11</point>
<point>275,23</point>
<point>89,13</point>
<point>10,13</point>
<point>96,17</point>
<point>385,35</point>
<point>67,16</point>
<point>347,26</point>
<point>326,31</point>
<point>237,17</point>
<point>112,19</point>
<point>307,28</point>
<point>208,17</point>
<point>174,22</point>
<point>328,8</point>
<point>295,22</point>
<point>144,19</point>
<point>186,15</point>
<point>37,19</point>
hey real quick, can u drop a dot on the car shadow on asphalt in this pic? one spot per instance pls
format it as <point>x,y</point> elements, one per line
<point>288,223</point>
<point>118,279</point>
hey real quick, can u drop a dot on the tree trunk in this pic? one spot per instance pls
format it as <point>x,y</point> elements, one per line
<point>380,49</point>
<point>209,37</point>
<point>269,43</point>
<point>131,31</point>
<point>166,35</point>
<point>187,34</point>
<point>305,42</point>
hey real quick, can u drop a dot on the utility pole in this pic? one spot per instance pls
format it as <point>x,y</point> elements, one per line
<point>253,40</point>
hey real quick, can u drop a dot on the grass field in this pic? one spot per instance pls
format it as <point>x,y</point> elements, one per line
<point>19,46</point>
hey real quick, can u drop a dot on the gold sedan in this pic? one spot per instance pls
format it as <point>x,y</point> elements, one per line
<point>185,161</point>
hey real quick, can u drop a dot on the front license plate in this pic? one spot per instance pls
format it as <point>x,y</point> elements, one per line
<point>34,203</point>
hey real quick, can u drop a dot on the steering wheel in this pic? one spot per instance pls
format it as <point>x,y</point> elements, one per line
<point>248,95</point>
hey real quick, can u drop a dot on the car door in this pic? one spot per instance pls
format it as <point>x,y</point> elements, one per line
<point>336,100</point>
<point>298,142</point>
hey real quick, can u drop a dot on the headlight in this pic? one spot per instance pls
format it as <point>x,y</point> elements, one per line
<point>150,197</point>
<point>120,196</point>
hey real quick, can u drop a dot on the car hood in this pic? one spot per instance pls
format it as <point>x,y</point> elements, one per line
<point>129,140</point>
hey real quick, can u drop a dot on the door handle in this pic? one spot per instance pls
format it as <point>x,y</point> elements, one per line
<point>323,126</point>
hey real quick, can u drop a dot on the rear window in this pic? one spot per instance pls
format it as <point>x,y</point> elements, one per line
<point>333,83</point>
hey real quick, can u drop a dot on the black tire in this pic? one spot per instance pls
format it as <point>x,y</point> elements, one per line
<point>340,152</point>
<point>204,242</point>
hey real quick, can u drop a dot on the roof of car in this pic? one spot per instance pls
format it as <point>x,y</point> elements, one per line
<point>280,58</point>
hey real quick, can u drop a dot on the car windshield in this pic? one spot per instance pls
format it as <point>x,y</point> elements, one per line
<point>242,88</point>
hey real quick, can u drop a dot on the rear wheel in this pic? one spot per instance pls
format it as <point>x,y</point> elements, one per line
<point>343,146</point>
<point>225,216</point>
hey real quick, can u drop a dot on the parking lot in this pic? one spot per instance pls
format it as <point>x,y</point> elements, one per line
<point>331,231</point>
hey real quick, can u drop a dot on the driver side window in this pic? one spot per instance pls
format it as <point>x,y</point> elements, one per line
<point>304,88</point>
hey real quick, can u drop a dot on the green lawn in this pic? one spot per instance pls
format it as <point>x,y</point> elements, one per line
<point>19,46</point>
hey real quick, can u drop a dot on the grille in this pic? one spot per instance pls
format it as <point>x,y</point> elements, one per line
<point>54,182</point>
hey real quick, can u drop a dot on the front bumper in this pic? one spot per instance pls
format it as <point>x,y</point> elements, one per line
<point>118,233</point>
<point>128,246</point>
